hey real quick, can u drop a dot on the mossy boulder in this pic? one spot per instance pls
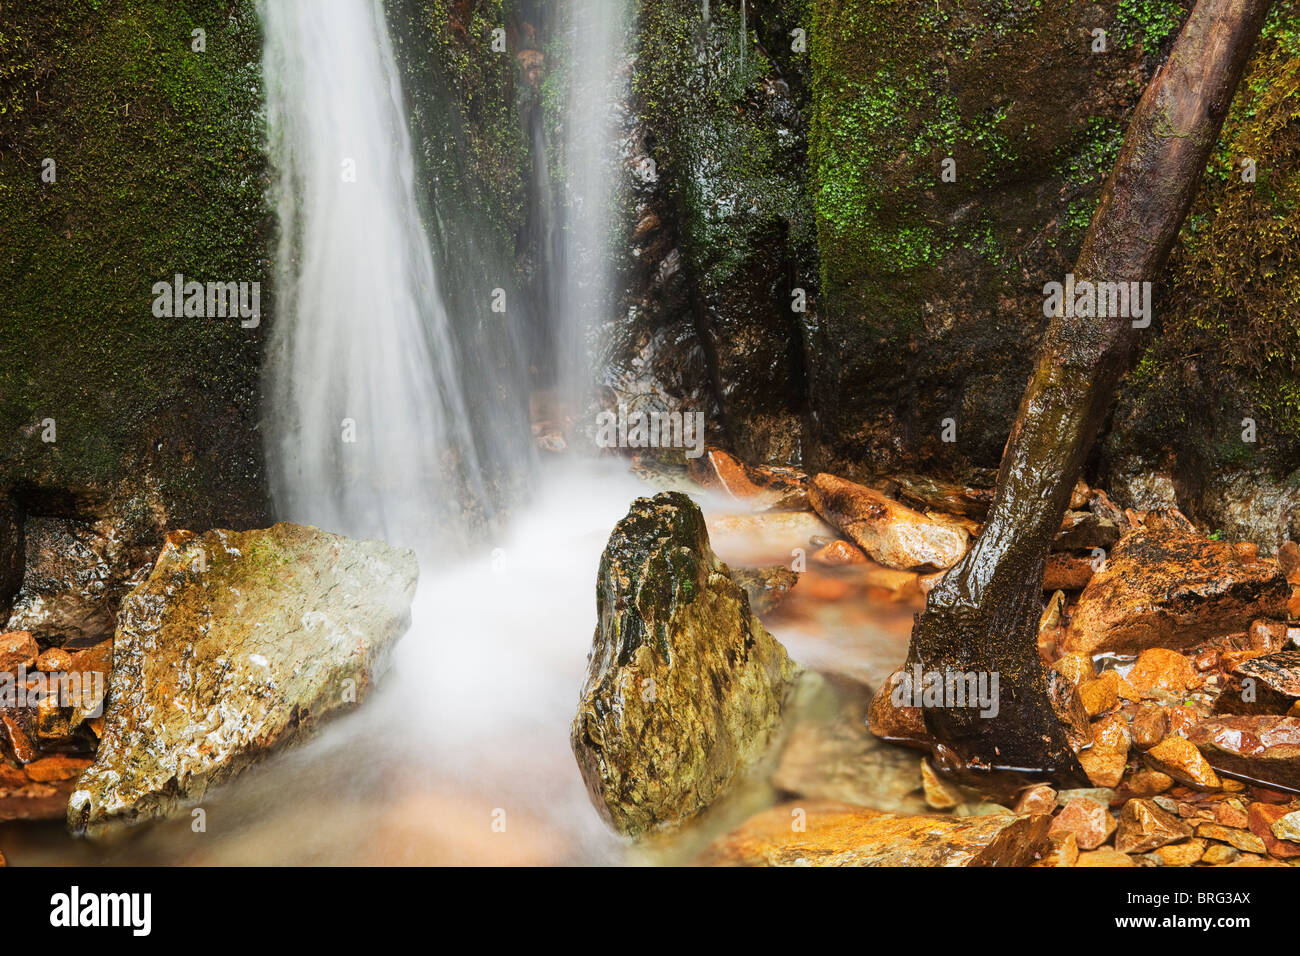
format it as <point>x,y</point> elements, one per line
<point>685,688</point>
<point>237,644</point>
<point>133,152</point>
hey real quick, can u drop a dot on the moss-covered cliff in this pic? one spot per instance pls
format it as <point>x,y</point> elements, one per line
<point>157,169</point>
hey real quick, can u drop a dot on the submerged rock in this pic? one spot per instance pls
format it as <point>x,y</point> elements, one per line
<point>685,687</point>
<point>766,587</point>
<point>834,834</point>
<point>1168,587</point>
<point>890,532</point>
<point>236,644</point>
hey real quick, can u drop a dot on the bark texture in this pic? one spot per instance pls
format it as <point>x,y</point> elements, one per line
<point>983,615</point>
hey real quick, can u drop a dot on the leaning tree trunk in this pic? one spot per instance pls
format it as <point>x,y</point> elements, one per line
<point>983,615</point>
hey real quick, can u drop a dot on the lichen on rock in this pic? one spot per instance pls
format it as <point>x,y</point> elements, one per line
<point>235,645</point>
<point>685,688</point>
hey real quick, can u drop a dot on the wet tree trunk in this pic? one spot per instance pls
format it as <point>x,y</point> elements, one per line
<point>983,615</point>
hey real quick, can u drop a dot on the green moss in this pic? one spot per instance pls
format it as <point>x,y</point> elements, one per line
<point>1229,345</point>
<point>160,170</point>
<point>1149,22</point>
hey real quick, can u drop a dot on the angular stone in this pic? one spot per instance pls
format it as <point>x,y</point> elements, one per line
<point>1164,586</point>
<point>685,687</point>
<point>1103,765</point>
<point>1076,668</point>
<point>18,649</point>
<point>1269,822</point>
<point>1063,851</point>
<point>840,552</point>
<point>1159,668</point>
<point>1148,783</point>
<point>56,768</point>
<point>1242,839</point>
<point>1217,854</point>
<point>1178,758</point>
<point>892,533</point>
<point>1150,724</point>
<point>1105,857</point>
<point>1180,854</point>
<point>902,725</point>
<point>1090,822</point>
<point>1040,798</point>
<point>1143,827</point>
<point>236,644</point>
<point>1261,748</point>
<point>1083,530</point>
<point>1099,695</point>
<point>1067,572</point>
<point>1267,684</point>
<point>830,834</point>
<point>940,794</point>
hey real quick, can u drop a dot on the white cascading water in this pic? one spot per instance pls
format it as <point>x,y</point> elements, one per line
<point>474,718</point>
<point>368,426</point>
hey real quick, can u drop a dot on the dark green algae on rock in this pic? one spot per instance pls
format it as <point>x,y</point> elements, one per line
<point>685,688</point>
<point>238,643</point>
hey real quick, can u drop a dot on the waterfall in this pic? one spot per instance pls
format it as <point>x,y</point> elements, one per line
<point>368,428</point>
<point>597,89</point>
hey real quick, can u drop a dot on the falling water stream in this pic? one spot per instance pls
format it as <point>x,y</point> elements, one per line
<point>369,433</point>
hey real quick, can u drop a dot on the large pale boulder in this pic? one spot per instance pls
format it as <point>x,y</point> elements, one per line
<point>235,645</point>
<point>685,688</point>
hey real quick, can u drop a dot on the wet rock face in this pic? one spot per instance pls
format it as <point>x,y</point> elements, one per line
<point>685,688</point>
<point>835,834</point>
<point>235,645</point>
<point>78,572</point>
<point>1168,587</point>
<point>729,142</point>
<point>12,554</point>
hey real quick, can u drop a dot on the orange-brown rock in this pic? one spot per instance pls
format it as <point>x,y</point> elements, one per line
<point>1180,854</point>
<point>1165,586</point>
<point>54,660</point>
<point>836,834</point>
<point>1150,724</point>
<point>19,742</point>
<point>1040,798</point>
<point>1063,850</point>
<point>1268,684</point>
<point>1260,818</point>
<point>892,533</point>
<point>1148,783</point>
<point>929,493</point>
<point>840,552</point>
<point>1089,821</point>
<point>17,649</point>
<point>1067,572</point>
<point>1143,827</point>
<point>1105,857</point>
<point>888,721</point>
<point>940,793</point>
<point>777,489</point>
<point>1076,668</point>
<point>56,768</point>
<point>1257,747</point>
<point>1160,669</point>
<point>1243,840</point>
<point>1180,759</point>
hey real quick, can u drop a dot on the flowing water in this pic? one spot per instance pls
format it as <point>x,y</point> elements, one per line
<point>462,754</point>
<point>368,418</point>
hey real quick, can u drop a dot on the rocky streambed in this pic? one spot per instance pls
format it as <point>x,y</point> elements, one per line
<point>1171,657</point>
